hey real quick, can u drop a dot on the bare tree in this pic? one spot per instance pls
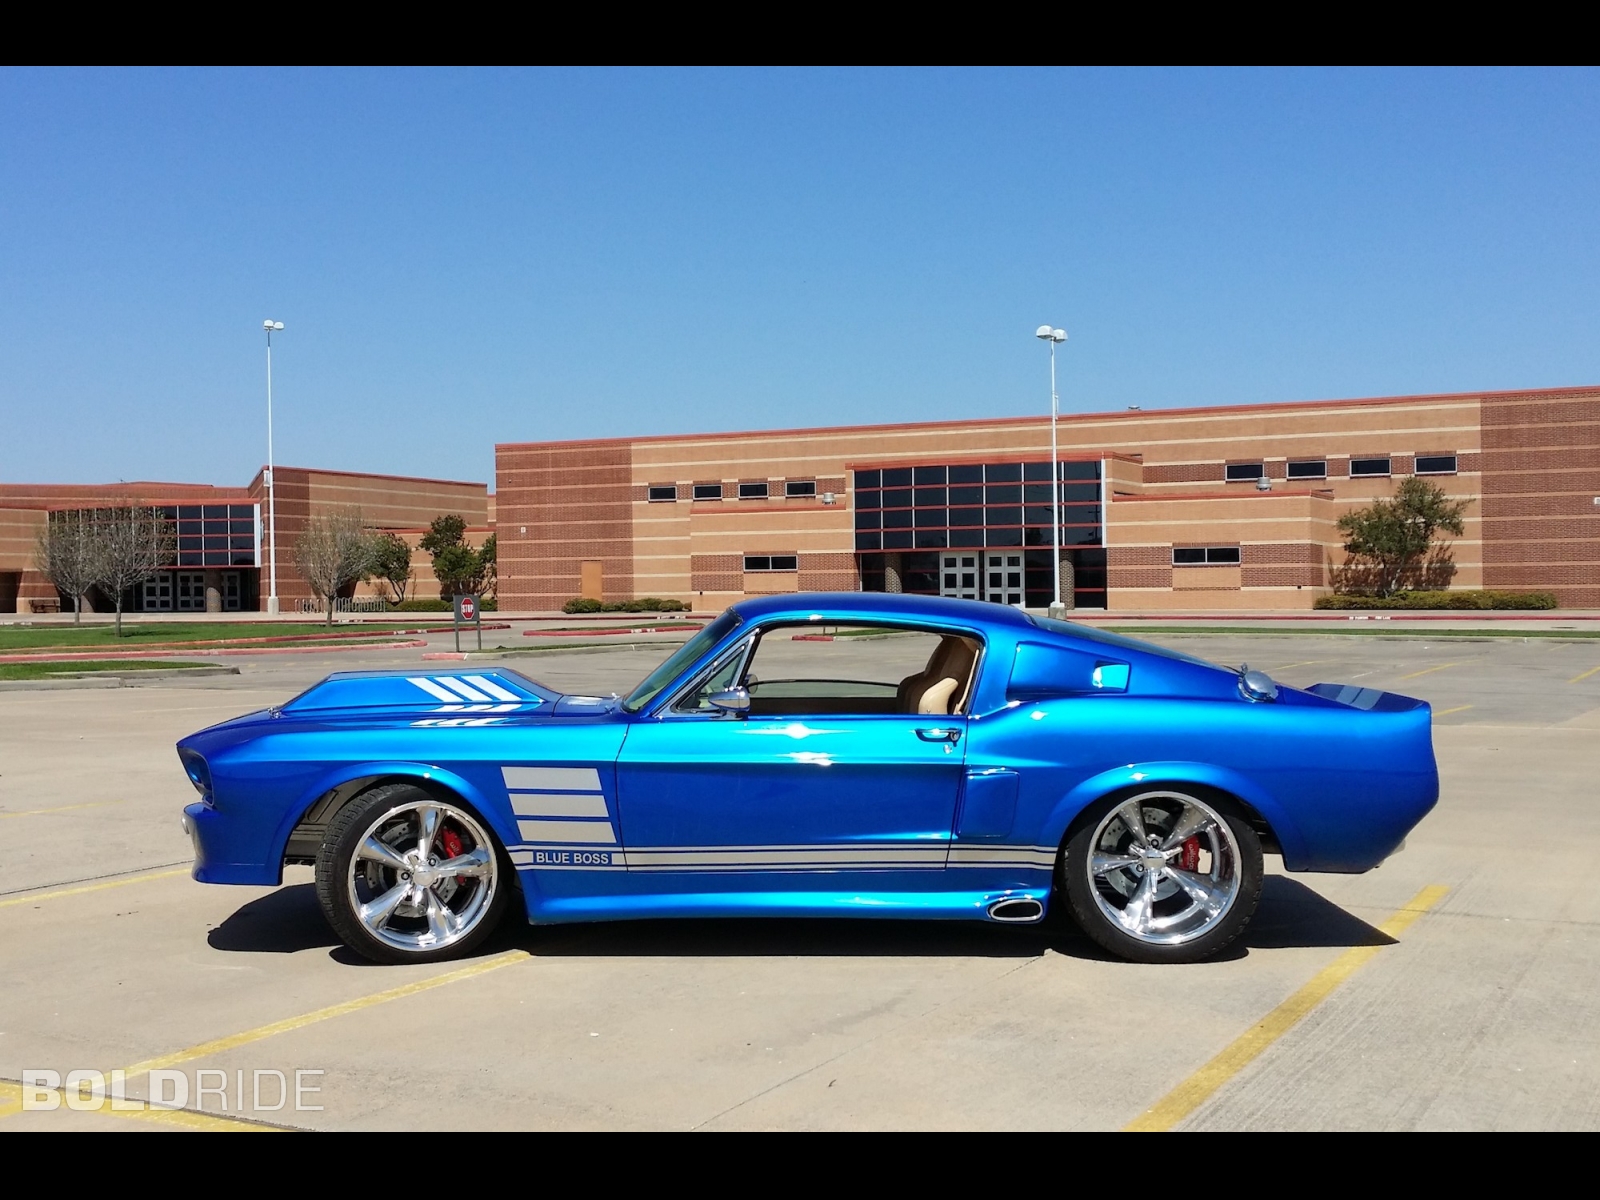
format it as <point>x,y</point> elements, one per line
<point>334,552</point>
<point>64,554</point>
<point>129,545</point>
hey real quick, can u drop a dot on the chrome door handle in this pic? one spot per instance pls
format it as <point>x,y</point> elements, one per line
<point>939,735</point>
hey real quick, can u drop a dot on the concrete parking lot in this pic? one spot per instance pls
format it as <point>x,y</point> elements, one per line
<point>1479,1013</point>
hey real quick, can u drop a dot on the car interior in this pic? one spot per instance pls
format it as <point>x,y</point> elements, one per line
<point>941,688</point>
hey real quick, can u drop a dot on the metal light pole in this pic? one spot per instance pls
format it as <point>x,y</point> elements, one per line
<point>1054,337</point>
<point>272,491</point>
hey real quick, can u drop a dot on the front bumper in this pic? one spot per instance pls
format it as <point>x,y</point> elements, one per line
<point>216,854</point>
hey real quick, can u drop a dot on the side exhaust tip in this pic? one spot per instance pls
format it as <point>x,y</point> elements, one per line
<point>1016,910</point>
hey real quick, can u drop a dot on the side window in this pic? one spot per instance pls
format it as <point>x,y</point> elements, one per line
<point>724,675</point>
<point>820,670</point>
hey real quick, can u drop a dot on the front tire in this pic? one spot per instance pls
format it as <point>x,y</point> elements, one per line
<point>1163,875</point>
<point>406,877</point>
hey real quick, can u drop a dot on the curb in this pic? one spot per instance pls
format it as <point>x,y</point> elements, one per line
<point>108,679</point>
<point>121,655</point>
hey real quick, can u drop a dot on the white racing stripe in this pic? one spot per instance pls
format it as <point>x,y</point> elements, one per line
<point>551,779</point>
<point>434,690</point>
<point>556,804</point>
<point>461,689</point>
<point>590,833</point>
<point>486,684</point>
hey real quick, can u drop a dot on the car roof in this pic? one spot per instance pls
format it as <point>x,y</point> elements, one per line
<point>869,605</point>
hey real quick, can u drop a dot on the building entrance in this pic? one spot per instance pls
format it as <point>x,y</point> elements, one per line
<point>994,575</point>
<point>191,590</point>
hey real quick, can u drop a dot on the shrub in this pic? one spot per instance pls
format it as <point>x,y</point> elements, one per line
<point>583,604</point>
<point>1462,600</point>
<point>488,604</point>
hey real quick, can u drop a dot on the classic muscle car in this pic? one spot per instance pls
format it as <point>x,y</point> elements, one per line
<point>833,755</point>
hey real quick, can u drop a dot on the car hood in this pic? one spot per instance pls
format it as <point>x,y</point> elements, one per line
<point>464,692</point>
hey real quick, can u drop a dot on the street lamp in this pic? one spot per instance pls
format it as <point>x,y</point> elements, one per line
<point>1055,337</point>
<point>271,327</point>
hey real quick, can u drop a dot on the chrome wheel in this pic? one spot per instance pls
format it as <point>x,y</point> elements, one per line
<point>1165,868</point>
<point>423,876</point>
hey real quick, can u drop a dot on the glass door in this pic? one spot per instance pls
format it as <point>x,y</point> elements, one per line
<point>959,575</point>
<point>1002,576</point>
<point>158,592</point>
<point>191,591</point>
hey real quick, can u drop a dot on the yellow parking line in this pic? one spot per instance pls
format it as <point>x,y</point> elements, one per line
<point>181,1118</point>
<point>1585,675</point>
<point>91,887</point>
<point>41,812</point>
<point>1430,670</point>
<point>219,1045</point>
<point>1199,1087</point>
<point>1445,712</point>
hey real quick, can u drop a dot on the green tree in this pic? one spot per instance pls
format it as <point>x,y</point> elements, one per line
<point>1392,544</point>
<point>391,563</point>
<point>459,568</point>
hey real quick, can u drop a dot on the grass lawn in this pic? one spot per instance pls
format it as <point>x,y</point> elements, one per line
<point>1410,631</point>
<point>136,634</point>
<point>48,670</point>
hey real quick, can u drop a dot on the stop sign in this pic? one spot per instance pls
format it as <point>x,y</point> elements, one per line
<point>469,607</point>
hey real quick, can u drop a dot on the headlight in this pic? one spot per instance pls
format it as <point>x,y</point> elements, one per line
<point>199,774</point>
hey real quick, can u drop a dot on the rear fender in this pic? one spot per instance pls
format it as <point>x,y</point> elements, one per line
<point>1175,775</point>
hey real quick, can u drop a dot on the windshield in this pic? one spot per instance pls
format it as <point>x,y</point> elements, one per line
<point>687,653</point>
<point>1105,638</point>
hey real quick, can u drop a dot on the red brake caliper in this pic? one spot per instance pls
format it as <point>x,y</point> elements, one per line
<point>451,841</point>
<point>1190,858</point>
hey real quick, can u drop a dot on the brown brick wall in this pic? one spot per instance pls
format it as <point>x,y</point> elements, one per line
<point>716,572</point>
<point>1541,471</point>
<point>573,500</point>
<point>828,572</point>
<point>1212,472</point>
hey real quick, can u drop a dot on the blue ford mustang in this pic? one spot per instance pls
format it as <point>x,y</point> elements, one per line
<point>894,756</point>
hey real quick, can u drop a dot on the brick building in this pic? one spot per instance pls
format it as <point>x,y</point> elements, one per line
<point>1214,508</point>
<point>222,557</point>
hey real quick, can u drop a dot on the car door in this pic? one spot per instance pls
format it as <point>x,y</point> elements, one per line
<point>797,794</point>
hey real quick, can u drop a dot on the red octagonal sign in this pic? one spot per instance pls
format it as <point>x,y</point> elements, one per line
<point>469,608</point>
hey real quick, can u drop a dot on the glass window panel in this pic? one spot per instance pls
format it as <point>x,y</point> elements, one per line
<point>1042,535</point>
<point>970,473</point>
<point>1222,554</point>
<point>1036,493</point>
<point>930,474</point>
<point>966,516</point>
<point>708,491</point>
<point>1080,470</point>
<point>931,539</point>
<point>1368,466</point>
<point>933,496</point>
<point>932,518</point>
<point>241,543</point>
<point>1036,470</point>
<point>785,562</point>
<point>1080,535</point>
<point>897,498</point>
<point>897,539</point>
<point>966,537</point>
<point>1080,491</point>
<point>189,512</point>
<point>868,479</point>
<point>897,477</point>
<point>243,558</point>
<point>1435,464</point>
<point>190,558</point>
<point>1002,473</point>
<point>752,491</point>
<point>1003,537</point>
<point>897,519</point>
<point>210,511</point>
<point>1006,493</point>
<point>188,527</point>
<point>871,519</point>
<point>869,499</point>
<point>758,562</point>
<point>966,495</point>
<point>869,541</point>
<point>1000,514</point>
<point>1244,472</point>
<point>1036,514</point>
<point>800,487</point>
<point>1311,468</point>
<point>1187,556</point>
<point>1080,514</point>
<point>663,491</point>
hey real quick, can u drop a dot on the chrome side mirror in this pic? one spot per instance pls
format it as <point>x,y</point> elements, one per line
<point>733,700</point>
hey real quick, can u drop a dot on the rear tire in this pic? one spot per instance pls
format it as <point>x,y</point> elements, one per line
<point>406,877</point>
<point>1165,875</point>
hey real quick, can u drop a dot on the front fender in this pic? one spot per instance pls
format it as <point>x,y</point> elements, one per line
<point>1156,775</point>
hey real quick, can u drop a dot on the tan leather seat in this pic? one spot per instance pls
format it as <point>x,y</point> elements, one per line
<point>940,688</point>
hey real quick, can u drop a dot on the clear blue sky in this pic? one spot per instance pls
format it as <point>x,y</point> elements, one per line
<point>465,257</point>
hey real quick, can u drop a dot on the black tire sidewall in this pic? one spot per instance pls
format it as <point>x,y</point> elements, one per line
<point>345,831</point>
<point>1078,885</point>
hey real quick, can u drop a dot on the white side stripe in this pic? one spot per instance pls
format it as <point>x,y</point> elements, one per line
<point>434,690</point>
<point>493,688</point>
<point>545,804</point>
<point>455,685</point>
<point>591,833</point>
<point>551,779</point>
